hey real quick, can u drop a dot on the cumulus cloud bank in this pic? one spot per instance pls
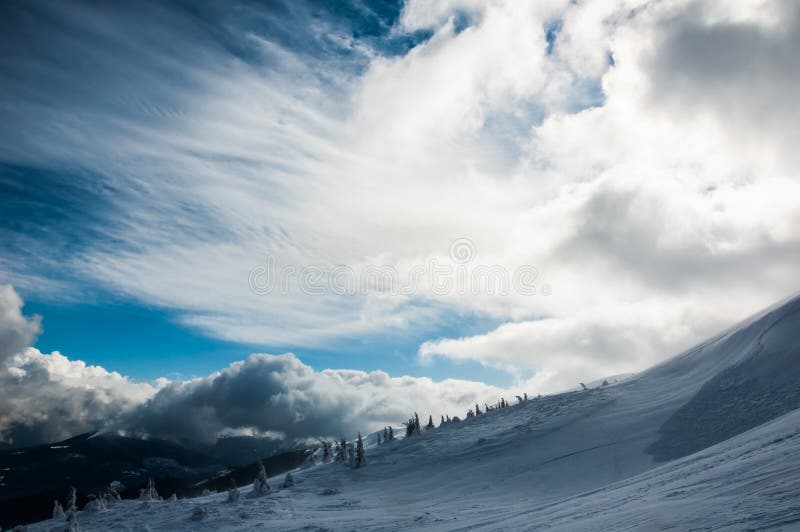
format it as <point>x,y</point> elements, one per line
<point>280,395</point>
<point>47,397</point>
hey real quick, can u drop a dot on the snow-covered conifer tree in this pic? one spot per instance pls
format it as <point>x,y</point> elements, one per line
<point>260,484</point>
<point>72,501</point>
<point>288,482</point>
<point>391,433</point>
<point>430,424</point>
<point>149,493</point>
<point>360,458</point>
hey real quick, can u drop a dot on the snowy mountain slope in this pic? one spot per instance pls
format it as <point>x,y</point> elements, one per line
<point>751,481</point>
<point>575,460</point>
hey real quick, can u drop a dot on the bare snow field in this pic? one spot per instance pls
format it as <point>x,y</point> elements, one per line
<point>709,440</point>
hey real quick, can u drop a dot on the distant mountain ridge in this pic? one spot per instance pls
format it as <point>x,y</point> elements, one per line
<point>35,476</point>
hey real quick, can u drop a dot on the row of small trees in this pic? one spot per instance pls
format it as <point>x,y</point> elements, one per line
<point>110,496</point>
<point>341,451</point>
<point>413,426</point>
<point>388,435</point>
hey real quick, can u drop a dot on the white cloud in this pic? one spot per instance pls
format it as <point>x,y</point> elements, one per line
<point>47,397</point>
<point>584,346</point>
<point>281,395</point>
<point>16,331</point>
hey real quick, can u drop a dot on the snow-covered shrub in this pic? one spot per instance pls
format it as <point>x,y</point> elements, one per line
<point>233,493</point>
<point>199,513</point>
<point>110,496</point>
<point>72,522</point>
<point>58,511</point>
<point>95,504</point>
<point>288,482</point>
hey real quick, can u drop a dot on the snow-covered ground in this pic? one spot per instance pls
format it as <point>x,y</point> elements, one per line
<point>576,461</point>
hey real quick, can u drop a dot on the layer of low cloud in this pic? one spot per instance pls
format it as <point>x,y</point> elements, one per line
<point>279,394</point>
<point>46,397</point>
<point>639,154</point>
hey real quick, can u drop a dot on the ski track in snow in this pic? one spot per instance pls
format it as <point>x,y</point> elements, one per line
<point>574,461</point>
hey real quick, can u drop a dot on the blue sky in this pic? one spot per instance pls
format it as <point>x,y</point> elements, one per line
<point>146,343</point>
